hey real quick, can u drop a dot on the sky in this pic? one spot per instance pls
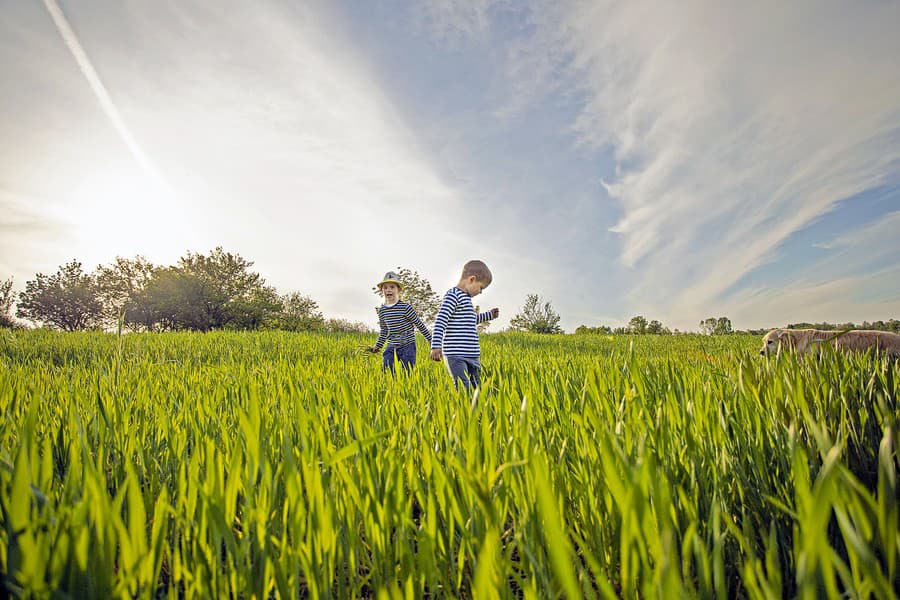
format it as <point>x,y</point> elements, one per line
<point>671,160</point>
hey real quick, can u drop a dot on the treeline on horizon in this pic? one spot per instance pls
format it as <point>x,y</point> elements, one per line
<point>201,292</point>
<point>218,290</point>
<point>718,328</point>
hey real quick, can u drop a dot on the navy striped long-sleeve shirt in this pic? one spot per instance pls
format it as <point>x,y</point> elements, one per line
<point>397,321</point>
<point>455,331</point>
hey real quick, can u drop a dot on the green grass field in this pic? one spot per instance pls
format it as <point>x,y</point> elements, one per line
<point>260,465</point>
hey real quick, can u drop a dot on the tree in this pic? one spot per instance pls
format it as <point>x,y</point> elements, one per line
<point>160,305</point>
<point>299,313</point>
<point>535,317</point>
<point>708,326</point>
<point>345,326</point>
<point>637,325</point>
<point>120,283</point>
<point>716,326</point>
<point>657,328</point>
<point>204,293</point>
<point>7,299</point>
<point>418,293</point>
<point>213,283</point>
<point>599,330</point>
<point>258,308</point>
<point>66,300</point>
<point>723,326</point>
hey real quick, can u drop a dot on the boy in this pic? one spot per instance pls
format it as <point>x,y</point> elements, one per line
<point>397,320</point>
<point>455,337</point>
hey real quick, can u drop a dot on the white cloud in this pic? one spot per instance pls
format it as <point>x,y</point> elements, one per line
<point>277,139</point>
<point>733,126</point>
<point>877,238</point>
<point>864,297</point>
<point>453,21</point>
<point>855,280</point>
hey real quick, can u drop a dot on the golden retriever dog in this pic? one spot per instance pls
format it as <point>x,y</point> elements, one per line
<point>810,341</point>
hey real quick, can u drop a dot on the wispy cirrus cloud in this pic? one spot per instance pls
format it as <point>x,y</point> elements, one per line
<point>878,238</point>
<point>267,122</point>
<point>732,127</point>
<point>865,296</point>
<point>853,279</point>
<point>453,21</point>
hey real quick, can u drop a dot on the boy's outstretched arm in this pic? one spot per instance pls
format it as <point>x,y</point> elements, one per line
<point>489,315</point>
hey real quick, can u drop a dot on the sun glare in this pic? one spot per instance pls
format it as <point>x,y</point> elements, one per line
<point>116,214</point>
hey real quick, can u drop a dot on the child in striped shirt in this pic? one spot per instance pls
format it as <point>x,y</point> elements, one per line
<point>397,319</point>
<point>455,336</point>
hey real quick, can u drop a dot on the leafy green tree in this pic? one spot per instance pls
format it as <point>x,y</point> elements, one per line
<point>723,326</point>
<point>599,330</point>
<point>708,326</point>
<point>299,313</point>
<point>345,326</point>
<point>716,326</point>
<point>258,308</point>
<point>205,292</point>
<point>119,284</point>
<point>66,300</point>
<point>417,291</point>
<point>656,328</point>
<point>162,304</point>
<point>7,300</point>
<point>637,325</point>
<point>213,284</point>
<point>536,317</point>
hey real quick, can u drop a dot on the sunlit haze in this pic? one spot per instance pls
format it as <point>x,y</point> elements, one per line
<point>676,161</point>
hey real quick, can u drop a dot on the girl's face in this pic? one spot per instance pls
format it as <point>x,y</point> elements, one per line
<point>391,292</point>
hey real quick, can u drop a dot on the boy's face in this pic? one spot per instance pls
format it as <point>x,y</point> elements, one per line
<point>391,292</point>
<point>472,286</point>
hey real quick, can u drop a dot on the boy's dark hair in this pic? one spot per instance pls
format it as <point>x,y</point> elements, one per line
<point>479,270</point>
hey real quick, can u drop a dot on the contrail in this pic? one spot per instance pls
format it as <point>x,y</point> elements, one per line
<point>106,103</point>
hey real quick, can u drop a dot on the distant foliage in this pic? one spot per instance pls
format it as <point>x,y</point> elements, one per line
<point>345,326</point>
<point>205,292</point>
<point>716,326</point>
<point>299,313</point>
<point>637,325</point>
<point>7,300</point>
<point>67,300</point>
<point>536,317</point>
<point>889,325</point>
<point>599,330</point>
<point>119,286</point>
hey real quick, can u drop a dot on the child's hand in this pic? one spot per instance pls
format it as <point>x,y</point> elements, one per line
<point>437,354</point>
<point>495,312</point>
<point>372,349</point>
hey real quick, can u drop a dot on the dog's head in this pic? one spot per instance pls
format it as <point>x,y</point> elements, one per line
<point>772,342</point>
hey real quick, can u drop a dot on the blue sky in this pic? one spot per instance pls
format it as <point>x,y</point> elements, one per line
<point>677,161</point>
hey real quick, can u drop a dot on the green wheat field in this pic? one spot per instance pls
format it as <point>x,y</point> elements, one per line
<point>280,465</point>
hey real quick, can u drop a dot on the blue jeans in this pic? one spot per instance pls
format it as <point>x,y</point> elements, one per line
<point>406,354</point>
<point>466,369</point>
